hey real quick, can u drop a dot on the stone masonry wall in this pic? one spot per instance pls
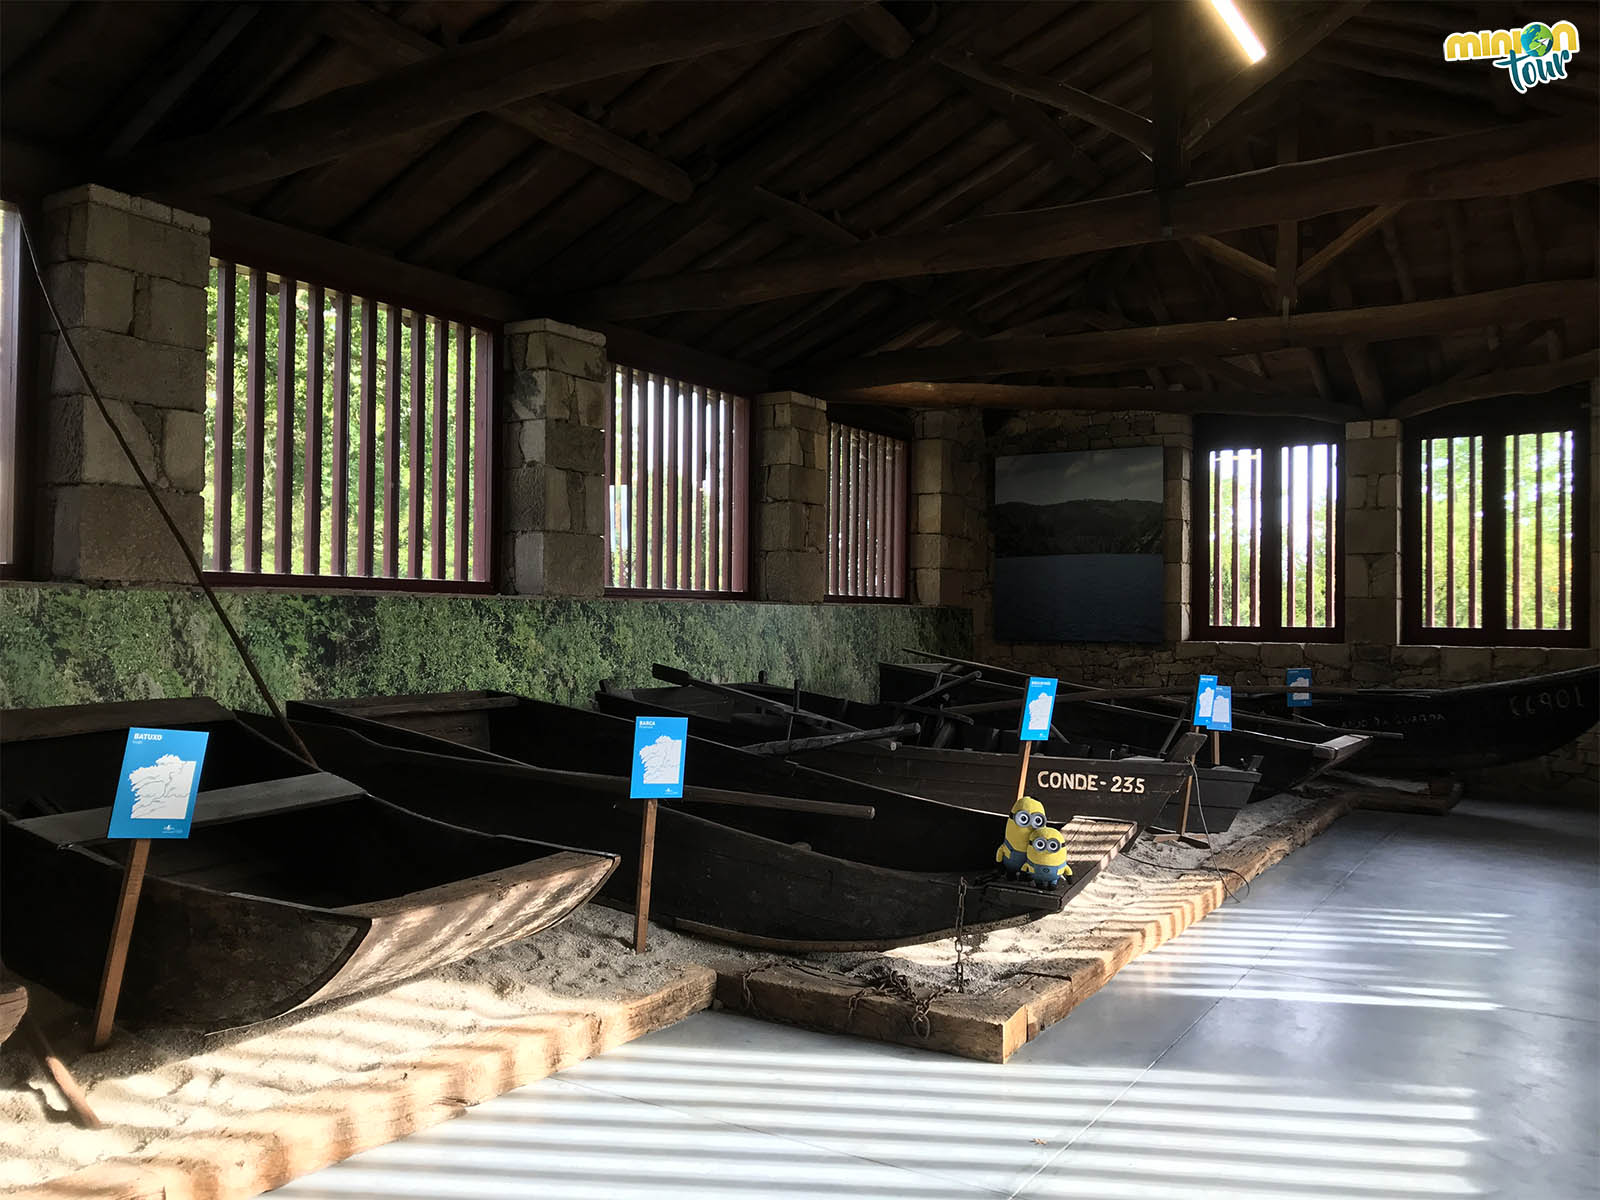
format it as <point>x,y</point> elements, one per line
<point>791,498</point>
<point>129,278</point>
<point>552,460</point>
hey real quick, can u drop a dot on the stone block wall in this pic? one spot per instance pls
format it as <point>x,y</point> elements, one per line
<point>949,554</point>
<point>128,277</point>
<point>1372,588</point>
<point>552,488</point>
<point>790,491</point>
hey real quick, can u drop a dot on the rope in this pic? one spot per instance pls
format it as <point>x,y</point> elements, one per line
<point>161,508</point>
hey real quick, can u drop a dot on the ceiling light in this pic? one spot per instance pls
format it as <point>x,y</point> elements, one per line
<point>1240,28</point>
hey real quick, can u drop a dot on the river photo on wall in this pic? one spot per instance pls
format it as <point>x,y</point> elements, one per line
<point>1077,543</point>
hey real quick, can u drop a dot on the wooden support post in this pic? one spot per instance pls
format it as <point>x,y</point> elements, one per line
<point>1216,748</point>
<point>647,860</point>
<point>73,1094</point>
<point>1022,775</point>
<point>105,1010</point>
<point>1181,834</point>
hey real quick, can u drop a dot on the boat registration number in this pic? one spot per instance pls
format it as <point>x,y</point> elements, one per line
<point>1084,781</point>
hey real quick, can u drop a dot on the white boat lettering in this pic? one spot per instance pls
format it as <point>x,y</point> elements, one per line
<point>1076,781</point>
<point>1548,700</point>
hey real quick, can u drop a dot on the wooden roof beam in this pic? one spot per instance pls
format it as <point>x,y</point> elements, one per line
<point>1234,259</point>
<point>1036,129</point>
<point>1119,121</point>
<point>461,82</point>
<point>1518,381</point>
<point>1358,229</point>
<point>1504,162</point>
<point>1091,399</point>
<point>387,44</point>
<point>1228,96</point>
<point>878,28</point>
<point>1575,300</point>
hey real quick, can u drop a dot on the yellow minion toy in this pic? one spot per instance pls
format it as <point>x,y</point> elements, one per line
<point>1047,859</point>
<point>1027,818</point>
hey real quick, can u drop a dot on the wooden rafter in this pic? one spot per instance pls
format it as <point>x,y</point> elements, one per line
<point>1517,381</point>
<point>1090,399</point>
<point>1575,299</point>
<point>1214,109</point>
<point>1357,353</point>
<point>1234,259</point>
<point>466,81</point>
<point>1129,126</point>
<point>1501,163</point>
<point>386,43</point>
<point>1357,229</point>
<point>1287,247</point>
<point>1035,128</point>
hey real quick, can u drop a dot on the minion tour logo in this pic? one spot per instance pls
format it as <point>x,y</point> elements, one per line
<point>1537,53</point>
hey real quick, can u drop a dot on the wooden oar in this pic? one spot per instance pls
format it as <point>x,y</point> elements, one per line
<point>823,742</point>
<point>683,679</point>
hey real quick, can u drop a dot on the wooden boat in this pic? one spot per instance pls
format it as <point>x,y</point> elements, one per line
<point>1285,755</point>
<point>13,1005</point>
<point>783,862</point>
<point>295,886</point>
<point>1134,789</point>
<point>1460,728</point>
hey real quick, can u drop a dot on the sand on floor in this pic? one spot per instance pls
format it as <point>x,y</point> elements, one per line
<point>156,1084</point>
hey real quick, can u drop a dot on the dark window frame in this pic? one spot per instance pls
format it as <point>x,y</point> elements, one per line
<point>1270,435</point>
<point>381,505</point>
<point>891,499</point>
<point>1495,420</point>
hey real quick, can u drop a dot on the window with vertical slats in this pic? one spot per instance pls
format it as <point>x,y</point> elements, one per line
<point>866,515</point>
<point>1495,528</point>
<point>10,344</point>
<point>677,474</point>
<point>345,437</point>
<point>1266,524</point>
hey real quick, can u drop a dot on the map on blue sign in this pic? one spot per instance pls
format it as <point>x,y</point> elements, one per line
<point>158,784</point>
<point>1222,709</point>
<point>1204,697</point>
<point>1298,677</point>
<point>658,749</point>
<point>1037,709</point>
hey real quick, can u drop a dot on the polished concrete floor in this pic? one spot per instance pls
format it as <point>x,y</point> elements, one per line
<point>1408,1007</point>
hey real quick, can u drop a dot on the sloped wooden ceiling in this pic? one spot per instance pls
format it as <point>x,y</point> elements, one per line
<point>887,202</point>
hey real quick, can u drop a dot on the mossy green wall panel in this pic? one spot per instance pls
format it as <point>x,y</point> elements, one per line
<point>66,644</point>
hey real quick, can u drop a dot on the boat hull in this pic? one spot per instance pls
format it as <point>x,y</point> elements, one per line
<point>745,875</point>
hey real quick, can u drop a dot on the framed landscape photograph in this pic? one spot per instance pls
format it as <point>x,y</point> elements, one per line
<point>1077,542</point>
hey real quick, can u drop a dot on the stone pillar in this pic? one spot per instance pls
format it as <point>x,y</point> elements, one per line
<point>948,547</point>
<point>552,460</point>
<point>1372,533</point>
<point>791,498</point>
<point>129,279</point>
<point>1176,542</point>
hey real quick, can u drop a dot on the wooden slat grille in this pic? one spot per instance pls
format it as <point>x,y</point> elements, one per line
<point>344,369</point>
<point>866,514</point>
<point>677,481</point>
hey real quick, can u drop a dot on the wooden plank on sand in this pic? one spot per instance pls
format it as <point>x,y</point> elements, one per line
<point>994,1026</point>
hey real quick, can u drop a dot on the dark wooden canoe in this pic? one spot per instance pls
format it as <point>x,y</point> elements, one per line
<point>1462,728</point>
<point>1286,755</point>
<point>1134,789</point>
<point>295,886</point>
<point>13,1005</point>
<point>757,876</point>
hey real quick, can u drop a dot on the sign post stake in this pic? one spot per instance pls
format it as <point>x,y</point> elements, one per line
<point>1022,777</point>
<point>647,862</point>
<point>105,1009</point>
<point>1204,698</point>
<point>660,745</point>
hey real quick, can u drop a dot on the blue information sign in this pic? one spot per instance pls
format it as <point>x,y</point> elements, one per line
<point>159,781</point>
<point>1037,708</point>
<point>658,748</point>
<point>1298,677</point>
<point>1204,696</point>
<point>1222,709</point>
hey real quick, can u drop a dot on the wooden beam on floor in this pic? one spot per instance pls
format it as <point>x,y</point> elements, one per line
<point>1517,381</point>
<point>1523,158</point>
<point>1119,121</point>
<point>1213,111</point>
<point>461,82</point>
<point>1045,397</point>
<point>1575,300</point>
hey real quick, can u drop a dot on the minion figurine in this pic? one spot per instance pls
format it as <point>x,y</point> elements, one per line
<point>1027,817</point>
<point>1047,859</point>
